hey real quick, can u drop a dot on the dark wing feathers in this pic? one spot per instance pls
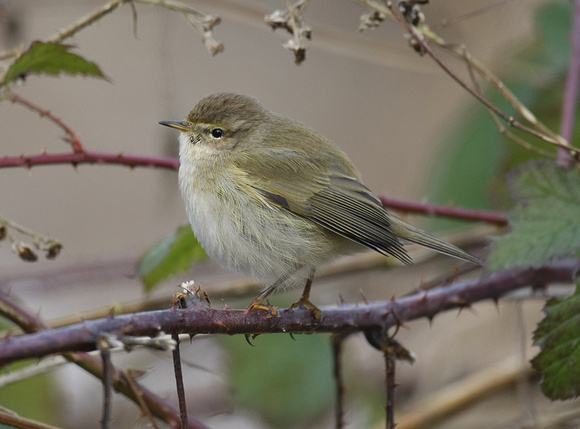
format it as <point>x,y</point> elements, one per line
<point>339,203</point>
<point>359,219</point>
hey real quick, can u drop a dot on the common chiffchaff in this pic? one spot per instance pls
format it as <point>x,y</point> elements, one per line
<point>274,200</point>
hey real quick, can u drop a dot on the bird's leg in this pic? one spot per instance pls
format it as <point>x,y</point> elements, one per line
<point>256,303</point>
<point>304,300</point>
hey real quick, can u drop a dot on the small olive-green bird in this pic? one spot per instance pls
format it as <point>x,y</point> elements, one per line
<point>274,200</point>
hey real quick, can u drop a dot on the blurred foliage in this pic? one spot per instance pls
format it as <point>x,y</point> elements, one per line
<point>170,256</point>
<point>50,59</point>
<point>558,335</point>
<point>471,169</point>
<point>34,398</point>
<point>544,222</point>
<point>288,382</point>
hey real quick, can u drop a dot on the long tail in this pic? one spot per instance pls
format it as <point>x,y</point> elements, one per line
<point>414,235</point>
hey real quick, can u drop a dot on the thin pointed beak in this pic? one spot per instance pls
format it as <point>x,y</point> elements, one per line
<point>181,126</point>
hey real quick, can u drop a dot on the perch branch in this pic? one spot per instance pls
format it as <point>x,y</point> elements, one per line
<point>199,319</point>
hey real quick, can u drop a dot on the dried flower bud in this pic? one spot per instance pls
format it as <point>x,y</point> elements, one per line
<point>2,232</point>
<point>48,245</point>
<point>53,250</point>
<point>412,12</point>
<point>371,20</point>
<point>25,252</point>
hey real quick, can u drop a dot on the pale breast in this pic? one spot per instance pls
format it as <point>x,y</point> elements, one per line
<point>246,234</point>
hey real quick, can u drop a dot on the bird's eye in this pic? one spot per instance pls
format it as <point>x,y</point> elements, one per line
<point>217,133</point>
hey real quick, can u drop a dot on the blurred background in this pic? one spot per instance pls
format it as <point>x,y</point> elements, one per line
<point>394,112</point>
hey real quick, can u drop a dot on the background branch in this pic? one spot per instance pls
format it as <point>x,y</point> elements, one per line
<point>89,157</point>
<point>571,91</point>
<point>445,211</point>
<point>420,35</point>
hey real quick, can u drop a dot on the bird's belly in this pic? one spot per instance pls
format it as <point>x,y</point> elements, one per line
<point>254,238</point>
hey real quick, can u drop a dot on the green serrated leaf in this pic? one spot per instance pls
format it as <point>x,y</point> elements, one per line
<point>544,221</point>
<point>558,334</point>
<point>172,255</point>
<point>51,59</point>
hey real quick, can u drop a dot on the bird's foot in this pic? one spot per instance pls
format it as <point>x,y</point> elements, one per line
<point>257,304</point>
<point>304,302</point>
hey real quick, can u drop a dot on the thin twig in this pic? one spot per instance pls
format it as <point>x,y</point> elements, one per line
<point>473,14</point>
<point>72,29</point>
<point>423,32</point>
<point>133,387</point>
<point>43,367</point>
<point>420,39</point>
<point>390,384</point>
<point>15,421</point>
<point>447,278</point>
<point>107,382</point>
<point>508,95</point>
<point>179,382</point>
<point>571,91</point>
<point>202,22</point>
<point>79,155</point>
<point>337,340</point>
<point>490,77</point>
<point>21,229</point>
<point>85,21</point>
<point>392,351</point>
<point>72,138</point>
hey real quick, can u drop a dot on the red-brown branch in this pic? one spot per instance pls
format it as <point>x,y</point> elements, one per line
<point>445,211</point>
<point>89,157</point>
<point>71,138</point>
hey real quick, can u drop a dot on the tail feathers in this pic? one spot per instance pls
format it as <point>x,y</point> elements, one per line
<point>414,235</point>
